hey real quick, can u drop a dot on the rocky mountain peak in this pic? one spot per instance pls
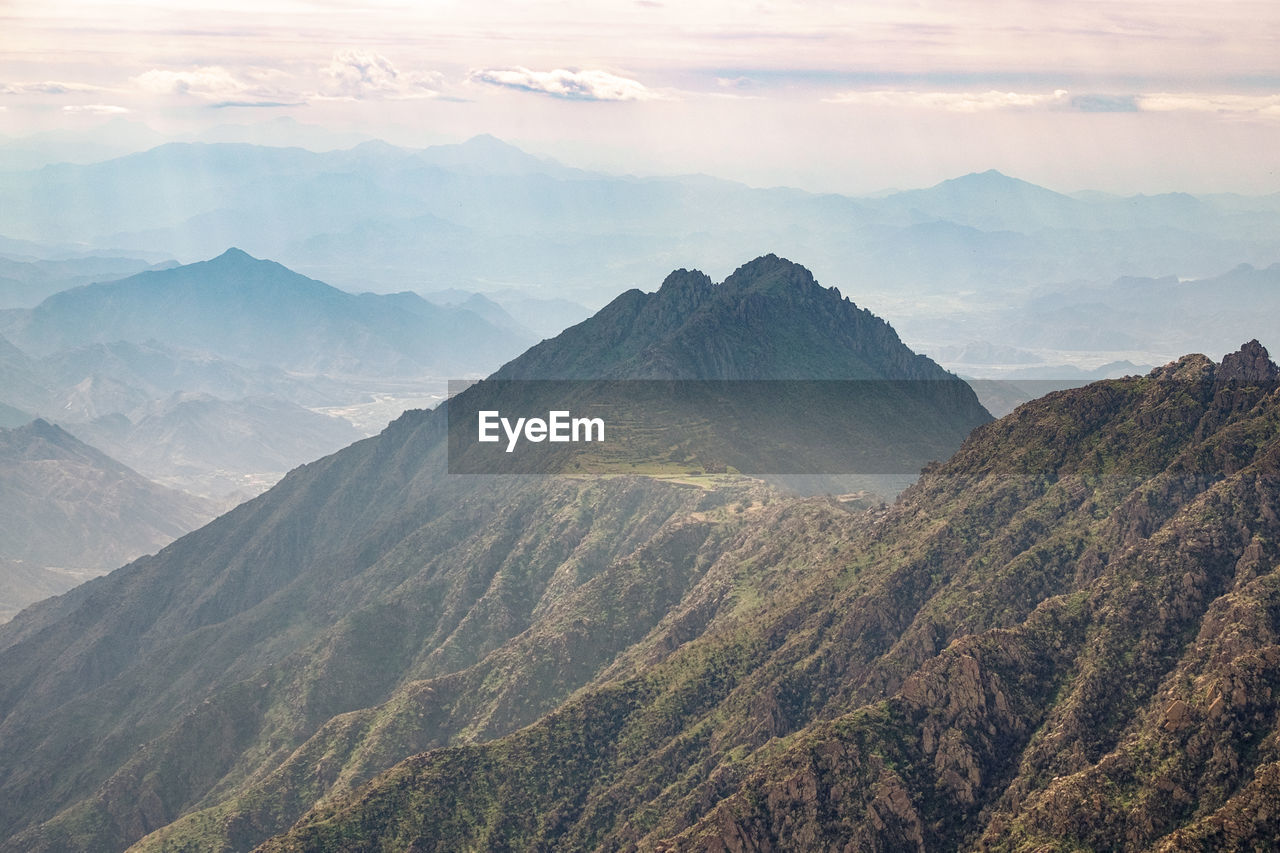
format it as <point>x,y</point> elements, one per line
<point>774,274</point>
<point>1250,364</point>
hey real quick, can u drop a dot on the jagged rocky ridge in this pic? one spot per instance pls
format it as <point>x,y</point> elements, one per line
<point>1065,637</point>
<point>770,319</point>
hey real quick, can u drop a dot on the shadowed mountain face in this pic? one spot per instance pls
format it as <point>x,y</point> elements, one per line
<point>371,605</point>
<point>71,512</point>
<point>1063,637</point>
<point>769,320</point>
<point>260,312</point>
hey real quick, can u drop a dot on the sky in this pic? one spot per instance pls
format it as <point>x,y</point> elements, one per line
<point>850,97</point>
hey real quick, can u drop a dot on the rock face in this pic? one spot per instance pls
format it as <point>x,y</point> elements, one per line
<point>1250,364</point>
<point>1063,637</point>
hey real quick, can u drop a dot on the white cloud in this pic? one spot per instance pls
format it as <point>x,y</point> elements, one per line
<point>1243,105</point>
<point>593,85</point>
<point>250,86</point>
<point>358,74</point>
<point>1265,105</point>
<point>47,87</point>
<point>213,82</point>
<point>96,109</point>
<point>958,102</point>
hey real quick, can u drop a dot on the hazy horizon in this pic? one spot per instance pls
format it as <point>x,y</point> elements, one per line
<point>1119,97</point>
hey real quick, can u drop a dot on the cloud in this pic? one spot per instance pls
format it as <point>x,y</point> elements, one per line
<point>47,87</point>
<point>958,102</point>
<point>220,105</point>
<point>1105,103</point>
<point>96,109</point>
<point>220,85</point>
<point>360,75</point>
<point>1239,105</point>
<point>1231,105</point>
<point>568,84</point>
<point>212,81</point>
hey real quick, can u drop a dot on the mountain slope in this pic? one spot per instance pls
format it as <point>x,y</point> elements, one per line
<point>259,311</point>
<point>69,506</point>
<point>1062,638</point>
<point>368,605</point>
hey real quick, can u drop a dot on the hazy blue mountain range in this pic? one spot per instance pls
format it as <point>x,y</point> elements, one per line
<point>319,615</point>
<point>153,370</point>
<point>259,312</point>
<point>24,283</point>
<point>485,216</point>
<point>71,512</point>
<point>201,375</point>
<point>215,447</point>
<point>1134,319</point>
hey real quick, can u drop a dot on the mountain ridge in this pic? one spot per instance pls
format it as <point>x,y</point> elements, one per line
<point>73,512</point>
<point>261,311</point>
<point>1036,646</point>
<point>361,586</point>
<point>689,310</point>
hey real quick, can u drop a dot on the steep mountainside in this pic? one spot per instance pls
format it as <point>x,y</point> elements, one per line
<point>260,312</point>
<point>68,506</point>
<point>1065,637</point>
<point>367,607</point>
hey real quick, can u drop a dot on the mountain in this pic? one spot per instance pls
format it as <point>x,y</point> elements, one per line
<point>1061,638</point>
<point>217,448</point>
<point>23,284</point>
<point>485,216</point>
<point>152,371</point>
<point>1160,311</point>
<point>22,382</point>
<point>260,312</point>
<point>11,417</point>
<point>770,319</point>
<point>372,605</point>
<point>486,154</point>
<point>111,138</point>
<point>71,511</point>
<point>990,201</point>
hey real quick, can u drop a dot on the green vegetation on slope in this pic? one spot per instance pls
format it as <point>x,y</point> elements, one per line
<point>1063,638</point>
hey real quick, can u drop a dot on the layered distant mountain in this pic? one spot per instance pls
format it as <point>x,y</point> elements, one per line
<point>259,312</point>
<point>216,447</point>
<point>71,512</point>
<point>24,283</point>
<point>218,377</point>
<point>372,605</point>
<point>484,215</point>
